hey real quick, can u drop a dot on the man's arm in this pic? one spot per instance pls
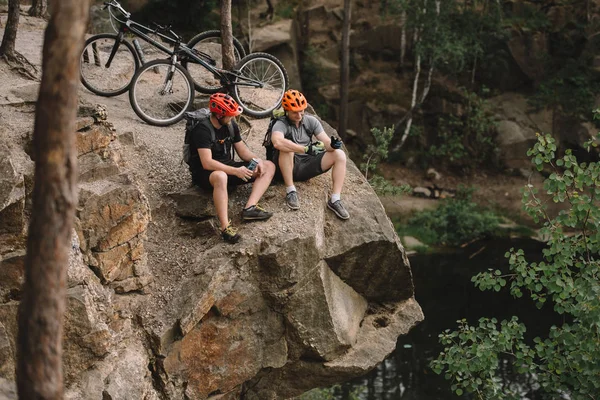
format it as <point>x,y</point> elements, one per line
<point>209,164</point>
<point>322,136</point>
<point>243,151</point>
<point>282,144</point>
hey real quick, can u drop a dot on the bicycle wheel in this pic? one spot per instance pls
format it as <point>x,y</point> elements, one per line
<point>209,42</point>
<point>100,78</point>
<point>269,73</point>
<point>160,92</point>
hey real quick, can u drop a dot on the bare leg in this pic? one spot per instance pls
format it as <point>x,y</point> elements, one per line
<point>337,159</point>
<point>260,185</point>
<point>286,165</point>
<point>218,180</point>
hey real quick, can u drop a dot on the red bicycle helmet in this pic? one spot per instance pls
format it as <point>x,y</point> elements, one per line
<point>223,105</point>
<point>293,100</point>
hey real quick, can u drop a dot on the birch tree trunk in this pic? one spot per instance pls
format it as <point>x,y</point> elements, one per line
<point>39,8</point>
<point>345,69</point>
<point>7,48</point>
<point>403,38</point>
<point>39,347</point>
<point>414,105</point>
<point>227,35</point>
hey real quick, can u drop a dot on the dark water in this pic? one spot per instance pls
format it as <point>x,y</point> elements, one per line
<point>444,290</point>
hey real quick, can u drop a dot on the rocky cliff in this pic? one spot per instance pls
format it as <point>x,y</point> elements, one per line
<point>160,308</point>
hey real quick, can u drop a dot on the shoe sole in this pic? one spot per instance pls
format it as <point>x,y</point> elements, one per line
<point>336,213</point>
<point>256,218</point>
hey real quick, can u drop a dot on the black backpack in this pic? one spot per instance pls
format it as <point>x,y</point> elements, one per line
<point>201,116</point>
<point>278,115</point>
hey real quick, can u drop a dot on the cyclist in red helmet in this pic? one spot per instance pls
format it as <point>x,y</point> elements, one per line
<point>213,167</point>
<point>299,159</point>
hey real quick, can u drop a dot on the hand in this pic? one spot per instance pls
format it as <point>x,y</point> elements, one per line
<point>314,148</point>
<point>336,143</point>
<point>243,173</point>
<point>259,168</point>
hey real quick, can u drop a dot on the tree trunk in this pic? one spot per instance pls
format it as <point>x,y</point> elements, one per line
<point>227,35</point>
<point>345,70</point>
<point>39,8</point>
<point>39,348</point>
<point>403,38</point>
<point>7,48</point>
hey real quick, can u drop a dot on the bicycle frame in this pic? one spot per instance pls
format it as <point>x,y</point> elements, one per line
<point>226,77</point>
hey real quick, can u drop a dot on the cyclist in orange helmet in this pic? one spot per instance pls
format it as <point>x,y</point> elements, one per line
<point>213,167</point>
<point>299,159</point>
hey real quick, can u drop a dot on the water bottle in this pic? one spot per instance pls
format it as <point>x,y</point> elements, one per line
<point>253,164</point>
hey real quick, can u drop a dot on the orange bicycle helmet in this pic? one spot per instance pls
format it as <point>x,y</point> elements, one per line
<point>223,105</point>
<point>293,100</point>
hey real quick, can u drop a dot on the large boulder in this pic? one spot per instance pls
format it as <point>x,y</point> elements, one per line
<point>517,125</point>
<point>295,305</point>
<point>15,170</point>
<point>305,299</point>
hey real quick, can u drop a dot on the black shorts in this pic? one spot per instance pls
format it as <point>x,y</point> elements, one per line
<point>306,166</point>
<point>202,179</point>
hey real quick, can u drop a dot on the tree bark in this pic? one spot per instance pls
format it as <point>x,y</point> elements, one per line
<point>7,48</point>
<point>227,35</point>
<point>345,69</point>
<point>39,347</point>
<point>403,38</point>
<point>39,8</point>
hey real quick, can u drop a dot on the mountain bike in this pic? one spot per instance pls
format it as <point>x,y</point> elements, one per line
<point>163,90</point>
<point>109,61</point>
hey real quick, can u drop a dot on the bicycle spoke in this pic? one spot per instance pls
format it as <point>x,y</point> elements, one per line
<point>103,79</point>
<point>160,95</point>
<point>266,70</point>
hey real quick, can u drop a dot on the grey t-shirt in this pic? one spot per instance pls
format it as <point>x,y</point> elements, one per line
<point>302,135</point>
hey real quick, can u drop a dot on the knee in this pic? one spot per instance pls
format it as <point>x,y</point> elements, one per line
<point>269,168</point>
<point>218,179</point>
<point>285,158</point>
<point>339,156</point>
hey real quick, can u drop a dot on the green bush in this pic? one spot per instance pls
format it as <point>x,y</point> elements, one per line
<point>456,221</point>
<point>564,360</point>
<point>465,141</point>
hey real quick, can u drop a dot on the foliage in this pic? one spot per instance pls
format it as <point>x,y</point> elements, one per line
<point>456,221</point>
<point>466,141</point>
<point>530,18</point>
<point>462,34</point>
<point>572,87</point>
<point>313,77</point>
<point>329,393</point>
<point>285,9</point>
<point>375,153</point>
<point>565,361</point>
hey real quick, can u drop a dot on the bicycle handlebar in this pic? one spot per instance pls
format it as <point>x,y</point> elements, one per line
<point>115,4</point>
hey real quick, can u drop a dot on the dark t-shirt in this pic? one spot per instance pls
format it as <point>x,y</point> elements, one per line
<point>222,152</point>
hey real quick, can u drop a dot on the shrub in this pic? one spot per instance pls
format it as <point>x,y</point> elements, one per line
<point>564,361</point>
<point>456,221</point>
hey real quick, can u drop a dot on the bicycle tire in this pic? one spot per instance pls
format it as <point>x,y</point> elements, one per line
<point>148,97</point>
<point>111,81</point>
<point>260,102</point>
<point>210,42</point>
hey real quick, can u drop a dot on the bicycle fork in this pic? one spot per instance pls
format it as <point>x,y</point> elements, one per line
<point>113,52</point>
<point>168,83</point>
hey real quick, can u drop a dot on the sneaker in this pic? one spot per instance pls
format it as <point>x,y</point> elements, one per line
<point>230,234</point>
<point>255,213</point>
<point>292,200</point>
<point>338,209</point>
